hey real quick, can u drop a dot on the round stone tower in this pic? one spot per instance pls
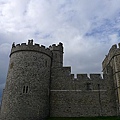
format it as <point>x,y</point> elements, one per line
<point>26,94</point>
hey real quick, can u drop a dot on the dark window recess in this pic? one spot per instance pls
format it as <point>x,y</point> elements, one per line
<point>98,86</point>
<point>24,89</point>
<point>46,63</point>
<point>27,89</point>
<point>88,86</point>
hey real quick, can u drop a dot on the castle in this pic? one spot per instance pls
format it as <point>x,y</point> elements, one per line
<point>38,86</point>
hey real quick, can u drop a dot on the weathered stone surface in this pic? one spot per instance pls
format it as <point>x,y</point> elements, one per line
<point>38,85</point>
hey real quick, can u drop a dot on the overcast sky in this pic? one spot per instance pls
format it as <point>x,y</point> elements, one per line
<point>87,29</point>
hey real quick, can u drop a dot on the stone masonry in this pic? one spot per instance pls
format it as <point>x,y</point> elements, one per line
<point>38,86</point>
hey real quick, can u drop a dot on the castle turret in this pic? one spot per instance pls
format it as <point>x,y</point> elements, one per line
<point>57,50</point>
<point>26,94</point>
<point>112,61</point>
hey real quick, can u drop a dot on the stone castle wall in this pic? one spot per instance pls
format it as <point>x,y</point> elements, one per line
<point>38,85</point>
<point>81,96</point>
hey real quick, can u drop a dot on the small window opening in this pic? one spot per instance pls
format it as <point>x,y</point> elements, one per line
<point>88,86</point>
<point>27,89</point>
<point>46,63</point>
<point>24,89</point>
<point>98,86</point>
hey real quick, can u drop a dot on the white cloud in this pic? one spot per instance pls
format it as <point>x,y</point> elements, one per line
<point>114,38</point>
<point>84,26</point>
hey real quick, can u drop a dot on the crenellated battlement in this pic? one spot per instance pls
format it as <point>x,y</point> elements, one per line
<point>30,47</point>
<point>37,82</point>
<point>90,77</point>
<point>83,77</point>
<point>95,76</point>
<point>55,47</point>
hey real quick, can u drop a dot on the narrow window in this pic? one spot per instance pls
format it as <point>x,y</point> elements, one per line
<point>27,89</point>
<point>88,86</point>
<point>98,86</point>
<point>24,89</point>
<point>46,63</point>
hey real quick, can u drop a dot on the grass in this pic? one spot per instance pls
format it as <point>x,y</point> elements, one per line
<point>85,118</point>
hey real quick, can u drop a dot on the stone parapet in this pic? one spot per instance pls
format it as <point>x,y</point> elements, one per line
<point>55,47</point>
<point>30,47</point>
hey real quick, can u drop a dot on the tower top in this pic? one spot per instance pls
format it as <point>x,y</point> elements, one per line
<point>30,47</point>
<point>114,51</point>
<point>55,47</point>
